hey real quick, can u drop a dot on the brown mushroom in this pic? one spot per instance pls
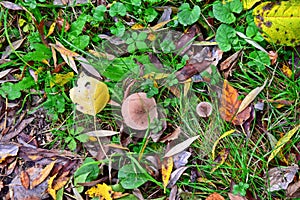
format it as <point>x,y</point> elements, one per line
<point>137,109</point>
<point>204,109</point>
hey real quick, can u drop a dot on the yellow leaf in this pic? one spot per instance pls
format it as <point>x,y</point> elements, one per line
<point>137,27</point>
<point>287,71</point>
<point>43,175</point>
<point>159,25</point>
<point>90,95</point>
<point>166,171</point>
<point>279,21</point>
<point>61,79</point>
<point>101,190</point>
<point>21,22</point>
<point>51,29</point>
<point>247,4</point>
<point>50,190</point>
<point>222,156</point>
<point>286,138</point>
<point>217,141</point>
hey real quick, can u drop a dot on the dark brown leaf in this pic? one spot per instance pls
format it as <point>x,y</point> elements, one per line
<point>24,177</point>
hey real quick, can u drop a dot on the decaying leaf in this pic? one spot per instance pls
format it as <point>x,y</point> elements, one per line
<point>236,197</point>
<point>287,71</point>
<point>9,49</point>
<point>172,136</point>
<point>281,177</point>
<point>181,146</point>
<point>25,179</point>
<point>251,41</point>
<point>220,159</point>
<point>90,95</point>
<point>50,190</point>
<point>101,190</point>
<point>61,79</point>
<point>87,66</point>
<point>215,196</point>
<point>279,21</point>
<point>181,159</point>
<point>7,150</point>
<point>43,175</point>
<point>250,97</point>
<point>230,105</point>
<point>217,141</point>
<point>286,138</point>
<point>176,175</point>
<point>293,190</point>
<point>166,169</point>
<point>11,6</point>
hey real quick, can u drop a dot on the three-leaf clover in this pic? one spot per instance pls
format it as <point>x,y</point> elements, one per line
<point>188,16</point>
<point>240,189</point>
<point>136,41</point>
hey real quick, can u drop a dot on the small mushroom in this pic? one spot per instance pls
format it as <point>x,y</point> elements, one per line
<point>136,109</point>
<point>204,109</point>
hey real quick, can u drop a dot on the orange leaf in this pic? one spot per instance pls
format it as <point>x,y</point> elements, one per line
<point>215,196</point>
<point>61,181</point>
<point>43,175</point>
<point>25,179</point>
<point>166,170</point>
<point>230,105</point>
<point>287,71</point>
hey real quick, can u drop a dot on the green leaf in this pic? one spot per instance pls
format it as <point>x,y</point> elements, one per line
<point>99,13</point>
<point>118,29</point>
<point>42,52</point>
<point>150,14</point>
<point>77,27</point>
<point>117,9</point>
<point>81,41</point>
<point>72,144</point>
<point>224,12</point>
<point>82,137</point>
<point>188,16</point>
<point>131,48</point>
<point>259,59</point>
<point>136,2</point>
<point>225,37</point>
<point>279,22</point>
<point>141,45</point>
<point>131,177</point>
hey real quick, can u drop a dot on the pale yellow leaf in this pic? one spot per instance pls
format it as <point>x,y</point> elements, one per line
<point>159,25</point>
<point>181,146</point>
<point>250,97</point>
<point>282,141</point>
<point>90,95</point>
<point>61,79</point>
<point>217,141</point>
<point>101,133</point>
<point>50,190</point>
<point>166,170</point>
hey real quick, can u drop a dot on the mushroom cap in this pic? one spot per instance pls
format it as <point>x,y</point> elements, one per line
<point>204,109</point>
<point>137,108</point>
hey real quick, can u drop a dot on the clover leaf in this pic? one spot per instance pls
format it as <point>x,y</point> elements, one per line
<point>225,37</point>
<point>99,13</point>
<point>117,9</point>
<point>224,11</point>
<point>188,16</point>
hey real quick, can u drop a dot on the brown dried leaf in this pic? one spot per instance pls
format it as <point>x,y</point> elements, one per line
<point>61,181</point>
<point>215,196</point>
<point>229,63</point>
<point>24,177</point>
<point>172,136</point>
<point>43,175</point>
<point>7,150</point>
<point>230,105</point>
<point>293,191</point>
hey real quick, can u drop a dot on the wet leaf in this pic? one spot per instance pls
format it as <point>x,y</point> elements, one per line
<point>250,97</point>
<point>230,105</point>
<point>281,177</point>
<point>100,190</point>
<point>215,196</point>
<point>286,138</point>
<point>217,141</point>
<point>90,95</point>
<point>166,169</point>
<point>279,21</point>
<point>181,146</point>
<point>43,175</point>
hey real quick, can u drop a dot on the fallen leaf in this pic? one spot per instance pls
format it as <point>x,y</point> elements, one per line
<point>90,95</point>
<point>89,68</point>
<point>172,136</point>
<point>25,179</point>
<point>10,5</point>
<point>51,29</point>
<point>101,190</point>
<point>282,141</point>
<point>137,26</point>
<point>281,177</point>
<point>61,79</point>
<point>217,141</point>
<point>220,159</point>
<point>43,175</point>
<point>14,46</point>
<point>293,190</point>
<point>66,54</point>
<point>215,196</point>
<point>166,169</point>
<point>175,176</point>
<point>250,97</point>
<point>273,56</point>
<point>159,25</point>
<point>166,14</point>
<point>61,181</point>
<point>50,190</point>
<point>230,61</point>
<point>236,197</point>
<point>181,159</point>
<point>7,150</point>
<point>181,146</point>
<point>5,72</point>
<point>173,193</point>
<point>252,42</point>
<point>230,104</point>
<point>287,71</point>
<point>247,4</point>
<point>102,133</point>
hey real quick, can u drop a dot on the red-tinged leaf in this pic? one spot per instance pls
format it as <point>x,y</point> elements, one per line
<point>24,177</point>
<point>230,105</point>
<point>273,57</point>
<point>62,24</point>
<point>11,6</point>
<point>215,196</point>
<point>166,170</point>
<point>43,175</point>
<point>40,26</point>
